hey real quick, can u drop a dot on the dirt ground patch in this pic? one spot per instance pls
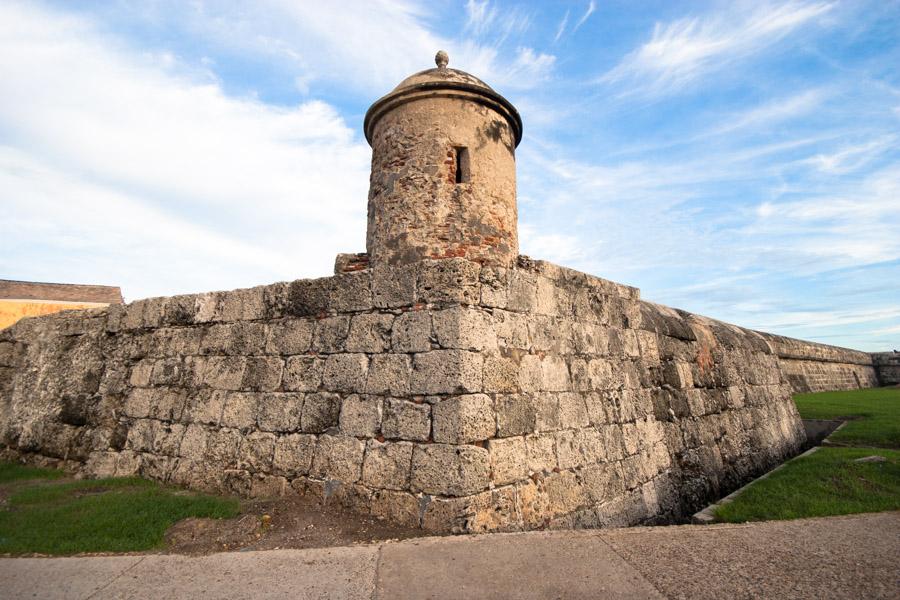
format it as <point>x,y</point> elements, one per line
<point>293,522</point>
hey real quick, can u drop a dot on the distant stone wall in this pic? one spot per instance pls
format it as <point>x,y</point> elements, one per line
<point>442,395</point>
<point>812,367</point>
<point>887,366</point>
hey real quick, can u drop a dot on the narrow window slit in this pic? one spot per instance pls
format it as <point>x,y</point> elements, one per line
<point>462,164</point>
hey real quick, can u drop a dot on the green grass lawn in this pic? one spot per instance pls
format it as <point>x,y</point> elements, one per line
<point>827,482</point>
<point>875,415</point>
<point>105,515</point>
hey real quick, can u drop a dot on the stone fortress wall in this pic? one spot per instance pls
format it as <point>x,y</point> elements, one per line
<point>812,367</point>
<point>443,394</point>
<point>887,367</point>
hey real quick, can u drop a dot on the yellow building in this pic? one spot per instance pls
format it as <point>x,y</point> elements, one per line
<point>29,299</point>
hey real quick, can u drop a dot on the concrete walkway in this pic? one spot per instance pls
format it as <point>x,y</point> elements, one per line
<point>837,557</point>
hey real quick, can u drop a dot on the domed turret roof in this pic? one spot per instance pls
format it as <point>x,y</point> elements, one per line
<point>439,81</point>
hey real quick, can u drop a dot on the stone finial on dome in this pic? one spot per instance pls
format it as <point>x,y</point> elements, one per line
<point>441,59</point>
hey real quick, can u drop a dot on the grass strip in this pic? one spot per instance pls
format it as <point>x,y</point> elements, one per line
<point>873,415</point>
<point>10,472</point>
<point>826,482</point>
<point>105,515</point>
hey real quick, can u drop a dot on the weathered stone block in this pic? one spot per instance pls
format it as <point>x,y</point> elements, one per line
<point>500,374</point>
<point>494,286</point>
<point>330,334</point>
<point>339,458</point>
<point>370,333</point>
<point>308,297</point>
<point>448,280</point>
<point>602,482</point>
<point>240,410</point>
<point>572,411</point>
<point>649,348</point>
<point>401,508</point>
<point>279,411</point>
<point>292,336</point>
<point>345,372</point>
<point>320,412</point>
<point>140,373</point>
<point>568,452</point>
<point>464,328</point>
<point>534,504</point>
<point>595,404</point>
<point>516,414</point>
<point>387,465</point>
<point>101,464</point>
<point>142,434</point>
<point>241,339</point>
<point>360,416</point>
<point>601,375</point>
<point>241,305</point>
<point>406,420</point>
<point>167,439</point>
<point>446,372</point>
<point>351,292</point>
<point>511,329</point>
<point>303,373</point>
<point>257,452</point>
<point>555,374</point>
<point>268,486</point>
<point>294,454</point>
<point>564,492</point>
<point>389,374</point>
<point>522,294</point>
<point>263,374</point>
<point>449,470</point>
<point>395,286</point>
<point>541,449</point>
<point>168,371</point>
<point>206,406</point>
<point>678,375</point>
<point>193,443</point>
<point>546,412</point>
<point>224,372</point>
<point>138,403</point>
<point>509,460</point>
<point>412,332</point>
<point>168,404</point>
<point>530,373</point>
<point>464,419</point>
<point>223,446</point>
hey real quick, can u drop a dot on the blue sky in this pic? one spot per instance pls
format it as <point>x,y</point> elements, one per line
<point>738,160</point>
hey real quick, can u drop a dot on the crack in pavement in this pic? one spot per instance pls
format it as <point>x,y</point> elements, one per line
<point>114,579</point>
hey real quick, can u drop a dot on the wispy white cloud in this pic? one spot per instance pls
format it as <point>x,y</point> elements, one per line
<point>481,15</point>
<point>592,6</point>
<point>826,318</point>
<point>684,50</point>
<point>853,156</point>
<point>562,27</point>
<point>772,111</point>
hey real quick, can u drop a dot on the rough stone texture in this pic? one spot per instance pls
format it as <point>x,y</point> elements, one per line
<point>443,179</point>
<point>516,398</point>
<point>887,367</point>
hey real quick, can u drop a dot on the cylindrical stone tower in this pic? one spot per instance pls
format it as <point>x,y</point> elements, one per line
<point>443,180</point>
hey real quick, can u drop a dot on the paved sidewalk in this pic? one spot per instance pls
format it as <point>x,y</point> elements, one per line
<point>837,557</point>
